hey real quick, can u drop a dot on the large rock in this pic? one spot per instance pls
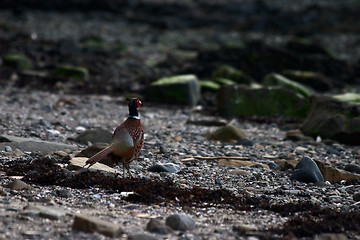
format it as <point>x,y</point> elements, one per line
<point>261,101</point>
<point>94,136</point>
<point>274,79</point>
<point>31,144</point>
<point>93,224</point>
<point>333,119</point>
<point>307,171</point>
<point>181,89</point>
<point>180,222</point>
<point>334,175</point>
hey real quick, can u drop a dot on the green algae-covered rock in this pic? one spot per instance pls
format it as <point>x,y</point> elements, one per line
<point>69,71</point>
<point>19,61</point>
<point>180,89</point>
<point>207,85</point>
<point>231,73</point>
<point>274,79</point>
<point>333,119</point>
<point>315,80</point>
<point>349,97</point>
<point>224,81</point>
<point>227,133</point>
<point>95,42</point>
<point>236,100</point>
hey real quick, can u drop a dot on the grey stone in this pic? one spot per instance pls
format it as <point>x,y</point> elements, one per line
<point>19,185</point>
<point>31,144</point>
<point>94,136</point>
<point>331,236</point>
<point>352,168</point>
<point>356,197</point>
<point>142,236</point>
<point>307,171</point>
<point>168,167</point>
<point>180,222</point>
<point>44,211</point>
<point>92,224</point>
<point>65,193</point>
<point>156,226</point>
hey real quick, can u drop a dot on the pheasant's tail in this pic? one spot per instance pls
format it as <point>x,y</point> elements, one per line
<point>97,157</point>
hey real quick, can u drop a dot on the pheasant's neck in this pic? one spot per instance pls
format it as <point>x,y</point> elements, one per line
<point>133,112</point>
<point>135,117</point>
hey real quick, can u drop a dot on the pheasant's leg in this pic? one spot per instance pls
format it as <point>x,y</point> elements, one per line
<point>126,165</point>
<point>123,169</point>
<point>131,176</point>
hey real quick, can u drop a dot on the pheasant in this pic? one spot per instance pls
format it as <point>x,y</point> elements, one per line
<point>127,140</point>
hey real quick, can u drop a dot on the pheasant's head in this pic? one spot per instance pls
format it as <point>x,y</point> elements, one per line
<point>134,104</point>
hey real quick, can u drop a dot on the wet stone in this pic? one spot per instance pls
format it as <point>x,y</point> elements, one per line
<point>352,168</point>
<point>156,226</point>
<point>141,236</point>
<point>168,167</point>
<point>180,222</point>
<point>92,224</point>
<point>307,171</point>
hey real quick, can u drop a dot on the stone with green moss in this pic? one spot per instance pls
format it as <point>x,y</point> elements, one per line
<point>224,81</point>
<point>348,97</point>
<point>315,80</point>
<point>207,85</point>
<point>94,42</point>
<point>274,79</point>
<point>331,118</point>
<point>231,73</point>
<point>19,61</point>
<point>234,100</point>
<point>227,133</point>
<point>180,89</point>
<point>69,71</point>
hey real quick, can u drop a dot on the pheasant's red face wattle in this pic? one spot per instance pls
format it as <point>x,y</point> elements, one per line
<point>138,103</point>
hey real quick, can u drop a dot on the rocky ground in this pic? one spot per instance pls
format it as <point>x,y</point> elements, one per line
<point>227,201</point>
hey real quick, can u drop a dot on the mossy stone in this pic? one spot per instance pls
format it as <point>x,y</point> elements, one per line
<point>231,73</point>
<point>207,85</point>
<point>224,81</point>
<point>234,100</point>
<point>349,97</point>
<point>69,71</point>
<point>94,42</point>
<point>227,133</point>
<point>315,80</point>
<point>19,61</point>
<point>274,79</point>
<point>180,89</point>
